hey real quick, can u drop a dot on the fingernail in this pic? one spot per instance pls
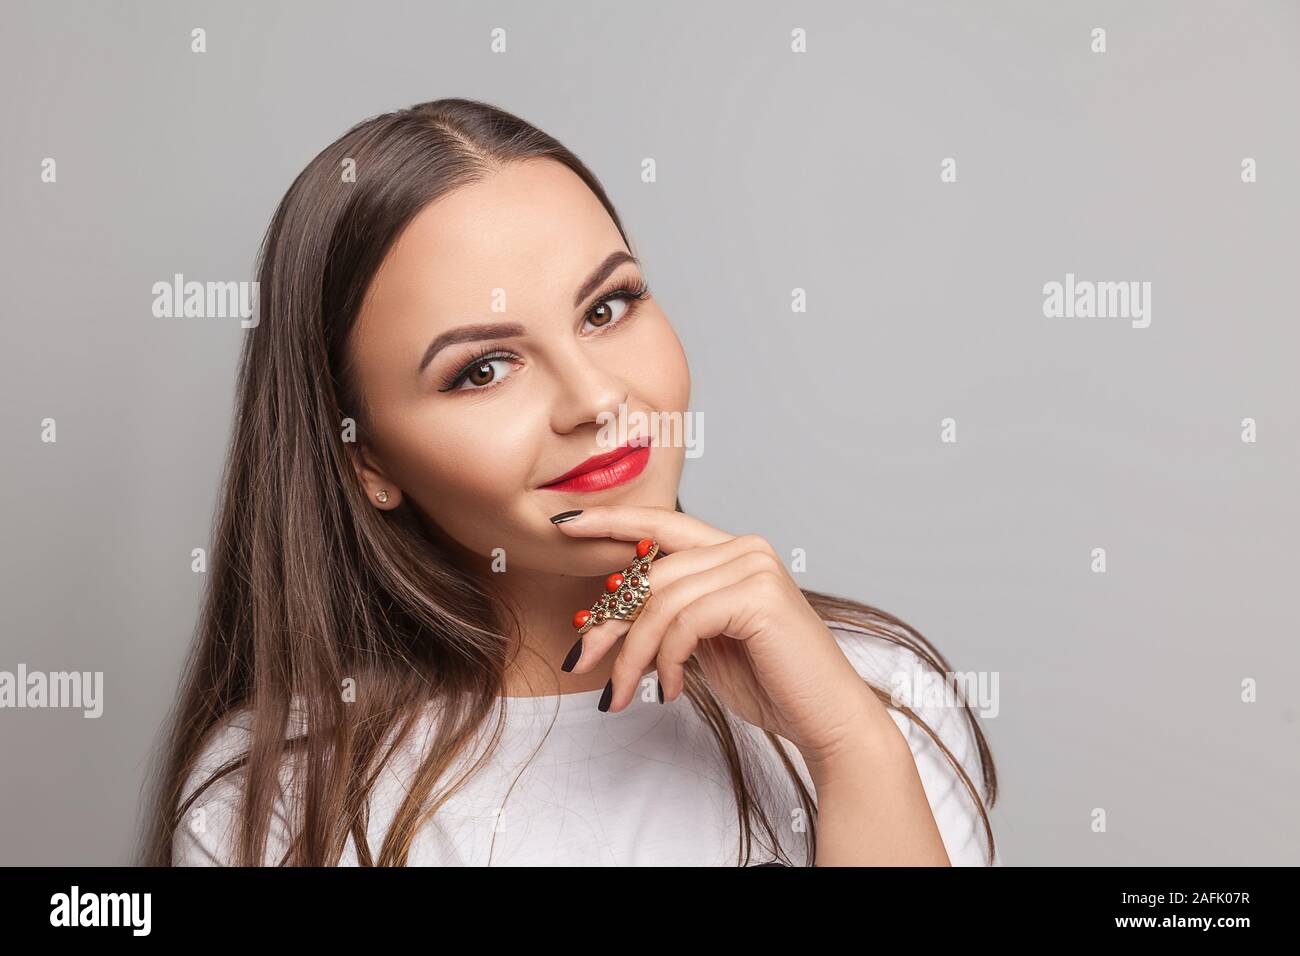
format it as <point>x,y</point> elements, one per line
<point>571,661</point>
<point>605,698</point>
<point>565,516</point>
<point>661,689</point>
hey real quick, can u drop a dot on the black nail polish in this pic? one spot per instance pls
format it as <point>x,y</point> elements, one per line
<point>565,516</point>
<point>571,660</point>
<point>606,697</point>
<point>661,689</point>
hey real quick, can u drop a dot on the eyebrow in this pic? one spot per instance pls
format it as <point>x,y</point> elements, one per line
<point>469,333</point>
<point>601,273</point>
<point>504,330</point>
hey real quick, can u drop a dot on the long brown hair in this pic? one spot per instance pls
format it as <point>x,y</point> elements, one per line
<point>309,585</point>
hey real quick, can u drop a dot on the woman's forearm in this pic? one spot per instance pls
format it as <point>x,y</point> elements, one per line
<point>872,806</point>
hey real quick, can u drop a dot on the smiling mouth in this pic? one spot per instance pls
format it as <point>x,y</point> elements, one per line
<point>605,471</point>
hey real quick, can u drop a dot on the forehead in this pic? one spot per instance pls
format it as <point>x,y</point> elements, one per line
<point>531,228</point>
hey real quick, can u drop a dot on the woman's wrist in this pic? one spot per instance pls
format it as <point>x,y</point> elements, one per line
<point>872,809</point>
<point>869,738</point>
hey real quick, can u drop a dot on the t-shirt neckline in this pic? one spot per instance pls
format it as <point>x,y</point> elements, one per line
<point>579,701</point>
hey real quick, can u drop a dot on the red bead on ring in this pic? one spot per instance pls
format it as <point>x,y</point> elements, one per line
<point>623,589</point>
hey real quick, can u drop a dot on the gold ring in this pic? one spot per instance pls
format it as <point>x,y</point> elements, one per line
<point>626,591</point>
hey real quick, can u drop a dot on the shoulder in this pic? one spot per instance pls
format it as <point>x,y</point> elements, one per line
<point>208,833</point>
<point>912,682</point>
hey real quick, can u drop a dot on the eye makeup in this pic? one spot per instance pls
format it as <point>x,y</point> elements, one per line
<point>485,356</point>
<point>631,289</point>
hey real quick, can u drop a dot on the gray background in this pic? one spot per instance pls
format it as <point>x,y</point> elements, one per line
<point>776,171</point>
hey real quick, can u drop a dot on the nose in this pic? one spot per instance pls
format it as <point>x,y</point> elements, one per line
<point>586,390</point>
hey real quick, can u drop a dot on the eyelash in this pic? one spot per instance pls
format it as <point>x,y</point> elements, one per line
<point>634,290</point>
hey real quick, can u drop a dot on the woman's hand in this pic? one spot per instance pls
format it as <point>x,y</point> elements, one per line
<point>729,601</point>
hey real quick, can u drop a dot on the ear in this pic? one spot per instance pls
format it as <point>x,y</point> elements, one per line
<point>375,480</point>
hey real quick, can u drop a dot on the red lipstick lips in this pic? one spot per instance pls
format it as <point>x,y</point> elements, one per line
<point>605,471</point>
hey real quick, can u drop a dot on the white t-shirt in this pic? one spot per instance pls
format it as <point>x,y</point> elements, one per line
<point>642,787</point>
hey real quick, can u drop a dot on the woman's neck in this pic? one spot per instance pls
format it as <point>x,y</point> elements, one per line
<point>547,603</point>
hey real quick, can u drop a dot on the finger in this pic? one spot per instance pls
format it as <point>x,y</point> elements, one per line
<point>664,572</point>
<point>672,530</point>
<point>641,644</point>
<point>593,645</point>
<point>721,613</point>
<point>680,564</point>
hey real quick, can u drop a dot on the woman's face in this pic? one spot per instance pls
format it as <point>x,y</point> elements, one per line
<point>502,289</point>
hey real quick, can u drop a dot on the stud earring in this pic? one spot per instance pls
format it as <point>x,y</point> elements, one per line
<point>382,495</point>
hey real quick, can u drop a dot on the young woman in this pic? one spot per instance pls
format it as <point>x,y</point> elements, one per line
<point>422,490</point>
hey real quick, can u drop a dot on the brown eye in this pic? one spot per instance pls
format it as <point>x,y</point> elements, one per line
<point>485,372</point>
<point>604,312</point>
<point>481,374</point>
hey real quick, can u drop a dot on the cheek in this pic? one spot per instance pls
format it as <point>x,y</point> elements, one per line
<point>661,377</point>
<point>463,469</point>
